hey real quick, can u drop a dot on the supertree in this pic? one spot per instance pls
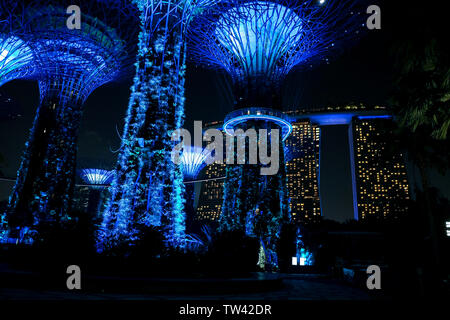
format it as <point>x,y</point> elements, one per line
<point>71,63</point>
<point>97,180</point>
<point>258,43</point>
<point>16,58</point>
<point>147,189</point>
<point>96,177</point>
<point>193,160</point>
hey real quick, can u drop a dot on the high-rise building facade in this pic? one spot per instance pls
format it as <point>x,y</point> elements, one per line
<point>80,200</point>
<point>211,194</point>
<point>380,184</point>
<point>379,178</point>
<point>302,170</point>
<point>302,175</point>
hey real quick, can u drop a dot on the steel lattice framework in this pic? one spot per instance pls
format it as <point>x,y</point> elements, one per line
<point>193,161</point>
<point>70,64</point>
<point>262,41</point>
<point>17,60</point>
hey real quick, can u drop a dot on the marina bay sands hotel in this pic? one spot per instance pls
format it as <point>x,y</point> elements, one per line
<point>377,175</point>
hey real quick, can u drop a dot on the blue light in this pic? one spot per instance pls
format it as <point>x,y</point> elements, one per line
<point>286,127</point>
<point>259,34</point>
<point>332,118</point>
<point>266,39</point>
<point>375,117</point>
<point>193,161</point>
<point>148,188</point>
<point>68,65</point>
<point>16,59</point>
<point>96,176</point>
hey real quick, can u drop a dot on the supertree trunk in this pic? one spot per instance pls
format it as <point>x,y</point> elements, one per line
<point>147,188</point>
<point>45,180</point>
<point>256,204</point>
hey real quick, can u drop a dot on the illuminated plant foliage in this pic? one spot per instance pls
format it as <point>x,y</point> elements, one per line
<point>147,189</point>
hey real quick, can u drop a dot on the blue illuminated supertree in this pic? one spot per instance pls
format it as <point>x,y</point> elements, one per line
<point>17,60</point>
<point>193,160</point>
<point>71,63</point>
<point>147,189</point>
<point>97,180</point>
<point>258,43</point>
<point>96,177</point>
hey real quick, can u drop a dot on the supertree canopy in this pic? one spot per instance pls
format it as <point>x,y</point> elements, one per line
<point>258,43</point>
<point>147,189</point>
<point>193,161</point>
<point>96,176</point>
<point>17,60</point>
<point>97,180</point>
<point>71,64</point>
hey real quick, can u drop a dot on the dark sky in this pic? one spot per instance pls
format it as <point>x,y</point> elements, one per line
<point>361,74</point>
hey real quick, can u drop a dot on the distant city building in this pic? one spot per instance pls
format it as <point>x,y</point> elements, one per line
<point>302,174</point>
<point>380,184</point>
<point>302,170</point>
<point>379,179</point>
<point>211,194</point>
<point>81,198</point>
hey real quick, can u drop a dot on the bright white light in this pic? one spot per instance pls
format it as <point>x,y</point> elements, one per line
<point>302,261</point>
<point>3,54</point>
<point>96,176</point>
<point>193,160</point>
<point>321,1</point>
<point>294,261</point>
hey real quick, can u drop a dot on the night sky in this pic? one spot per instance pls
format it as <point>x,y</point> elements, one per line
<point>361,74</point>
